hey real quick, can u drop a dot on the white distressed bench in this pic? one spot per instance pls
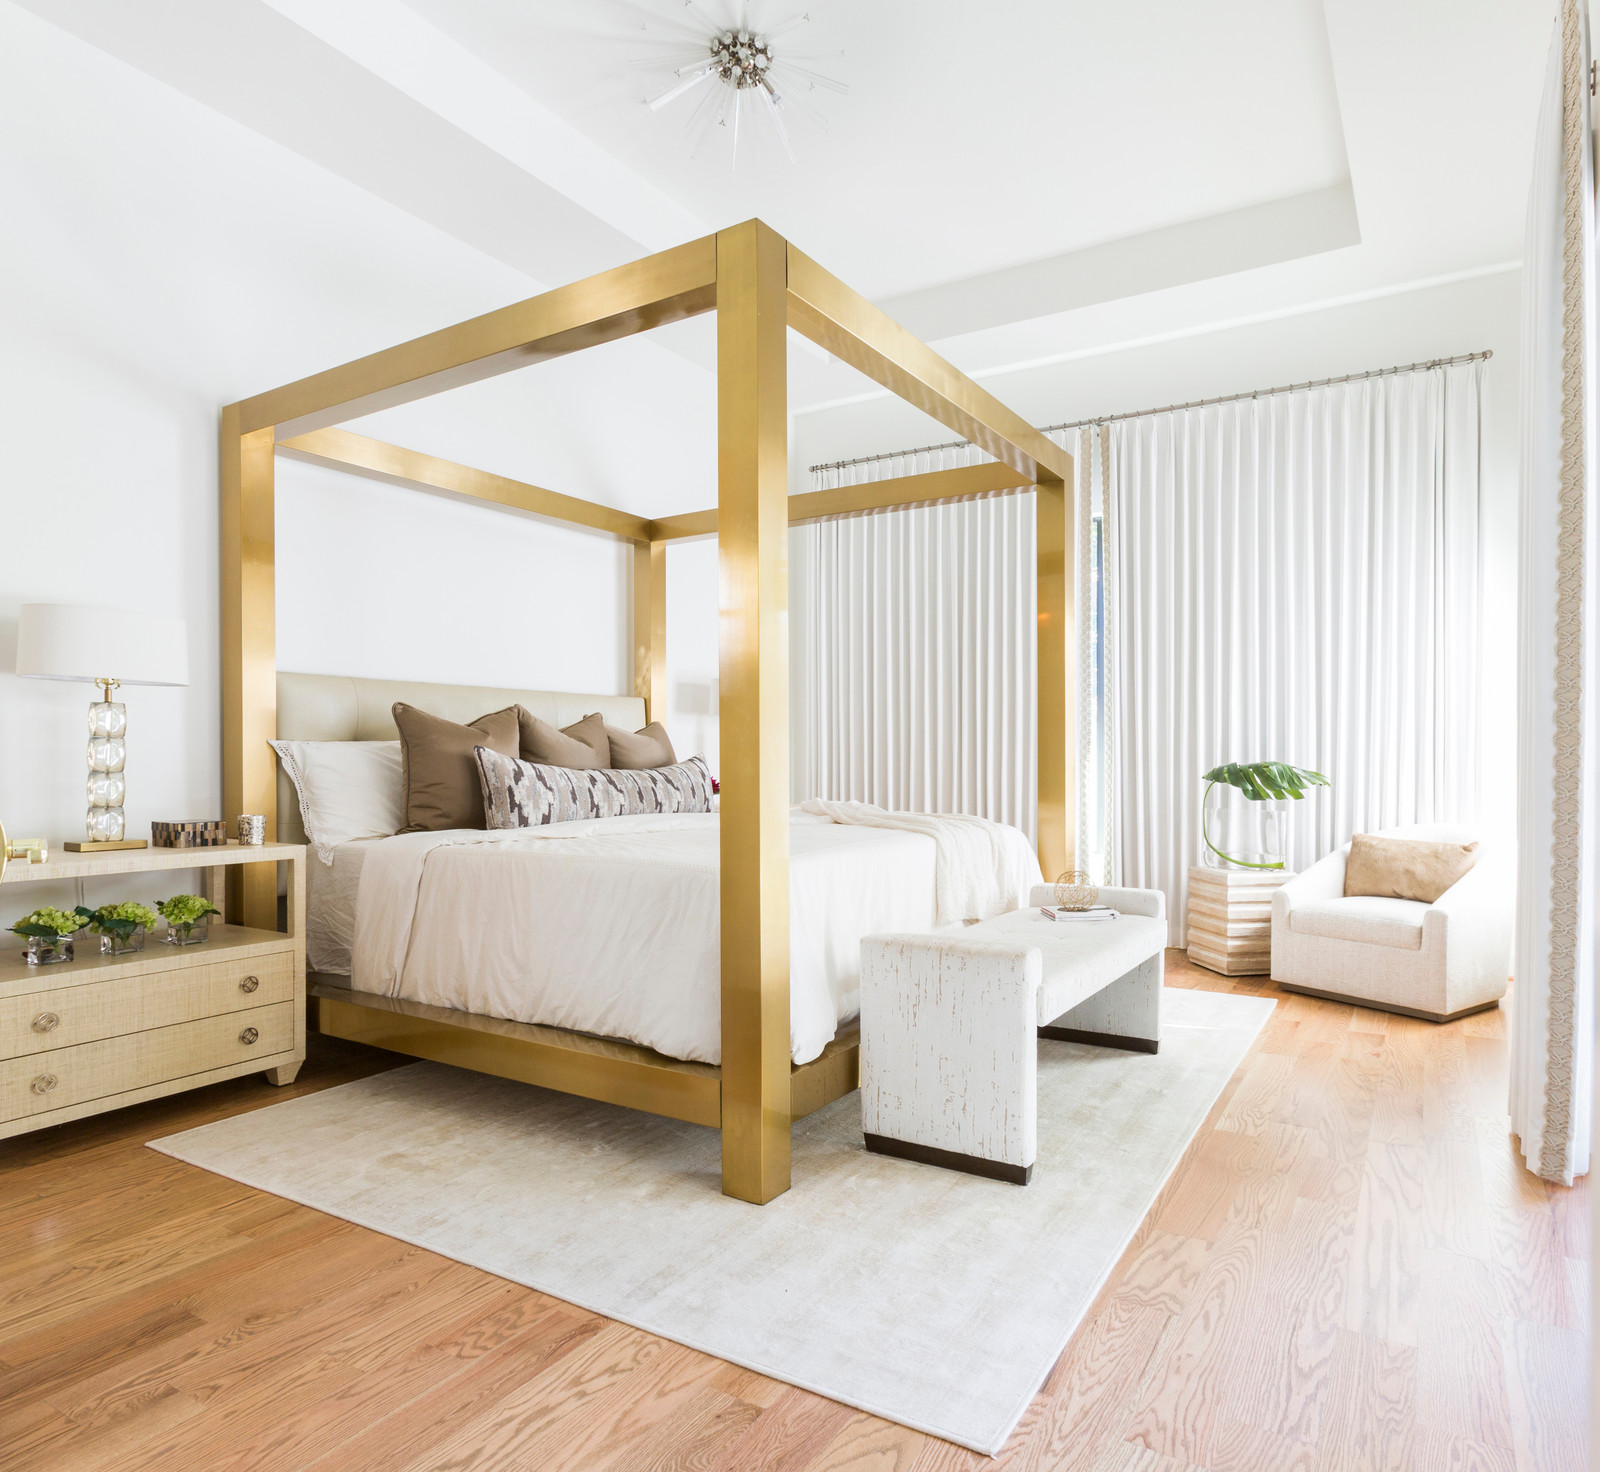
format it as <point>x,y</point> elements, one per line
<point>949,1024</point>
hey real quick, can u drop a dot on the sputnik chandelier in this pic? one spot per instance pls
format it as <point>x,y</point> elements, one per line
<point>745,73</point>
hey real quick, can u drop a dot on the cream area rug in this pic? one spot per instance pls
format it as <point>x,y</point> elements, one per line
<point>928,1297</point>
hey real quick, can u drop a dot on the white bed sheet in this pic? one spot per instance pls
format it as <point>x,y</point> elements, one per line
<point>331,891</point>
<point>612,926</point>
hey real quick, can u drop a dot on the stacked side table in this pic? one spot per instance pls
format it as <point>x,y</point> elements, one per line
<point>1230,919</point>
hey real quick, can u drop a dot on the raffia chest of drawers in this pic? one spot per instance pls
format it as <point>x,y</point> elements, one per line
<point>99,1032</point>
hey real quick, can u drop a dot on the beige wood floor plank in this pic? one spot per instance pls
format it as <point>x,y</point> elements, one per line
<point>1370,1424</point>
<point>695,1436</point>
<point>1238,1447</point>
<point>866,1444</point>
<point>1162,1272</point>
<point>788,1436</point>
<point>1183,1396</point>
<point>1547,1371</point>
<point>528,1366</point>
<point>1460,1375</point>
<point>1386,1256</point>
<point>1283,1375</point>
<point>506,1432</point>
<point>1438,1451</point>
<point>1085,1405</point>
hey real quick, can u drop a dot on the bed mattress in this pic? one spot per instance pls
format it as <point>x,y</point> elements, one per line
<point>611,926</point>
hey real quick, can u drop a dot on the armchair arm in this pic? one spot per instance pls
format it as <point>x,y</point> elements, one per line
<point>1151,902</point>
<point>1475,914</point>
<point>1324,880</point>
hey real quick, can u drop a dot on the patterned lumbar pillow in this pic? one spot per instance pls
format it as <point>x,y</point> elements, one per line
<point>518,794</point>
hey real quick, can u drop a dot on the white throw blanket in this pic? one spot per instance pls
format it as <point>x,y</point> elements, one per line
<point>981,868</point>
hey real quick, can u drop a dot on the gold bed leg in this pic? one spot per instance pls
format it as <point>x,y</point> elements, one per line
<point>249,657</point>
<point>753,599</point>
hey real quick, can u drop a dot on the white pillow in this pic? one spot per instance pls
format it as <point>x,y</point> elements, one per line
<point>348,789</point>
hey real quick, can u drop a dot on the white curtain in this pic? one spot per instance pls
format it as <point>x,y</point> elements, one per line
<point>1558,808</point>
<point>912,651</point>
<point>1295,577</point>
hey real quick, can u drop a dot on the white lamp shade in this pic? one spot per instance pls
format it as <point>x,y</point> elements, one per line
<point>70,641</point>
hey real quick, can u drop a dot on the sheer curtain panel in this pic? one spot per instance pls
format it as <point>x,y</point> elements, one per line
<point>1558,806</point>
<point>1295,577</point>
<point>912,651</point>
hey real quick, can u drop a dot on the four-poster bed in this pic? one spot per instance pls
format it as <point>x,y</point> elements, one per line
<point>759,285</point>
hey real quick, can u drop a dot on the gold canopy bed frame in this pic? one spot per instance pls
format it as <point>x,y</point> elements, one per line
<point>759,285</point>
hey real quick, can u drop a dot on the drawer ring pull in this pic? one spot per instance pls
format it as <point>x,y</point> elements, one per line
<point>44,1083</point>
<point>249,1035</point>
<point>250,983</point>
<point>46,1022</point>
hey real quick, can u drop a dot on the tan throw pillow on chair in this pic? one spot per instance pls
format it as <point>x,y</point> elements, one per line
<point>1405,868</point>
<point>439,774</point>
<point>634,751</point>
<point>584,744</point>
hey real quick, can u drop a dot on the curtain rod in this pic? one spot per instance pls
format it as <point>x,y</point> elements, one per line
<point>1287,388</point>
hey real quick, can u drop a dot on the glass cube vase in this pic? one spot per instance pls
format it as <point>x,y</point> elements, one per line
<point>49,950</point>
<point>1239,833</point>
<point>117,945</point>
<point>188,935</point>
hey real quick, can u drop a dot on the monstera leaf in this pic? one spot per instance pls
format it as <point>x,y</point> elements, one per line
<point>1260,782</point>
<point>1265,781</point>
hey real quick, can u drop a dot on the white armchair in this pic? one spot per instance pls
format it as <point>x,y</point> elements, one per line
<point>1438,961</point>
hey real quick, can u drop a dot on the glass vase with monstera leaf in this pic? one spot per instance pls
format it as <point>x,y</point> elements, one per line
<point>1244,814</point>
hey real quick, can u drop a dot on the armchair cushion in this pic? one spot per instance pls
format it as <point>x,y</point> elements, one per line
<point>1405,868</point>
<point>1367,918</point>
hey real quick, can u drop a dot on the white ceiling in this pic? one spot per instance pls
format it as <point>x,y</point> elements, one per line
<point>973,136</point>
<point>1018,183</point>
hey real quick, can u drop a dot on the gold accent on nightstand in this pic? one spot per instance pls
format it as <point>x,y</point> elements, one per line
<point>250,983</point>
<point>248,1036</point>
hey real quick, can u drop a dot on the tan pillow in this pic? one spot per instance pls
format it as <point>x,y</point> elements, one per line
<point>581,745</point>
<point>634,751</point>
<point>438,772</point>
<point>1405,868</point>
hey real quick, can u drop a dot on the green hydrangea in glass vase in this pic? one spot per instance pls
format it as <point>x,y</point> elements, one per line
<point>188,919</point>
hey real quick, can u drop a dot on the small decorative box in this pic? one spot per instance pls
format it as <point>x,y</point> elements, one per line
<point>197,833</point>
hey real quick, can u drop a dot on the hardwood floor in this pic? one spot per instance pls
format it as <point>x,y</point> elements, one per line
<point>1348,1271</point>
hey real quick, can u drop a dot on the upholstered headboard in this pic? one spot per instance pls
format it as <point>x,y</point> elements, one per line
<point>345,708</point>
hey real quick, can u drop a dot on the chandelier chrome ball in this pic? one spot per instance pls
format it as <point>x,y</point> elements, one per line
<point>741,58</point>
<point>744,73</point>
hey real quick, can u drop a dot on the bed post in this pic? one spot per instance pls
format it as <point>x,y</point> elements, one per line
<point>753,639</point>
<point>249,656</point>
<point>1057,680</point>
<point>650,627</point>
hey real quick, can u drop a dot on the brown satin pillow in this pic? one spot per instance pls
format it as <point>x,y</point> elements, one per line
<point>1405,868</point>
<point>635,751</point>
<point>439,774</point>
<point>581,745</point>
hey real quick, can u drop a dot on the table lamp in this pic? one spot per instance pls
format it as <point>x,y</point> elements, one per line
<point>108,647</point>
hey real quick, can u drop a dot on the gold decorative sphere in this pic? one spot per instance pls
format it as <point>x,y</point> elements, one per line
<point>1076,891</point>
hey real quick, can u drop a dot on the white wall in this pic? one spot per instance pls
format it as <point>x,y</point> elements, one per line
<point>377,580</point>
<point>161,261</point>
<point>1439,321</point>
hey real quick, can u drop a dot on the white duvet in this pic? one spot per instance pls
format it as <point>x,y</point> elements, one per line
<point>611,926</point>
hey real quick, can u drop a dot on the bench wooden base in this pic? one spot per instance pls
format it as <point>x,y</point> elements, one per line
<point>973,1165</point>
<point>1101,1039</point>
